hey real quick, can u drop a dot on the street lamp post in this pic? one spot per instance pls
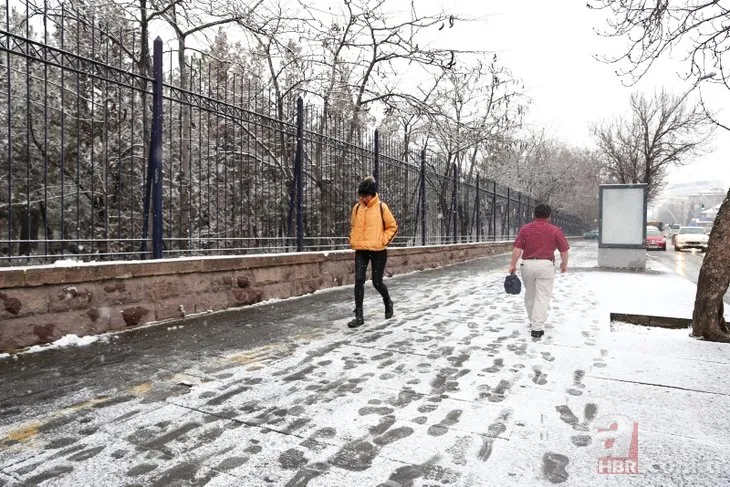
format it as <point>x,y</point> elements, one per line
<point>674,219</point>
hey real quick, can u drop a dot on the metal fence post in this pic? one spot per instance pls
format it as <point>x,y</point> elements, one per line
<point>454,206</point>
<point>423,196</point>
<point>494,212</point>
<point>298,174</point>
<point>156,152</point>
<point>376,168</point>
<point>153,183</point>
<point>479,213</point>
<point>520,220</point>
<point>509,233</point>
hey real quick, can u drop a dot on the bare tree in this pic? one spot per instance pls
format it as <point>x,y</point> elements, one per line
<point>651,29</point>
<point>188,20</point>
<point>355,57</point>
<point>407,120</point>
<point>700,29</point>
<point>551,171</point>
<point>361,52</point>
<point>478,106</point>
<point>660,132</point>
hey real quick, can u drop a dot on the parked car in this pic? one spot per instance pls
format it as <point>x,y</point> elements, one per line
<point>655,239</point>
<point>691,238</point>
<point>592,235</point>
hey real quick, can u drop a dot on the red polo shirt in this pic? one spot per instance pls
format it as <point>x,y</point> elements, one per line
<point>539,239</point>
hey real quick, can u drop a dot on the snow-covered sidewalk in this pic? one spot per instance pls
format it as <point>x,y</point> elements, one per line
<point>452,391</point>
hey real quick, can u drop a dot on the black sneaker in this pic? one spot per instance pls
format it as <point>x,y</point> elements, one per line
<point>388,310</point>
<point>537,334</point>
<point>358,321</point>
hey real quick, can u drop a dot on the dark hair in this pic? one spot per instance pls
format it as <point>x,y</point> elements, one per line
<point>542,211</point>
<point>367,187</point>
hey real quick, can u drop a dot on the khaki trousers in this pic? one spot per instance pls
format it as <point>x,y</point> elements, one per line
<point>538,277</point>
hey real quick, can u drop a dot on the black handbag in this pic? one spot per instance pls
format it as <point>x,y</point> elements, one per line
<point>512,284</point>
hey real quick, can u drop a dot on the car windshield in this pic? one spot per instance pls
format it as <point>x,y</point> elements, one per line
<point>652,232</point>
<point>692,230</point>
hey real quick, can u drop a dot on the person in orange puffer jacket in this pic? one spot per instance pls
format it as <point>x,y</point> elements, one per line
<point>372,228</point>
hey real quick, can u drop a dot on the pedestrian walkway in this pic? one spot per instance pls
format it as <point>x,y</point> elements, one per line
<point>452,391</point>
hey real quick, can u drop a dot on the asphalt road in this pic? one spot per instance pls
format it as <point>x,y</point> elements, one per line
<point>686,263</point>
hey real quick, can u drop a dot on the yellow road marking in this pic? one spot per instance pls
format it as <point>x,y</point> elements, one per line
<point>141,389</point>
<point>257,355</point>
<point>85,405</point>
<point>30,431</point>
<point>24,434</point>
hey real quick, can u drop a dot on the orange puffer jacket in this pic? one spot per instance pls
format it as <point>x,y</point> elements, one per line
<point>369,228</point>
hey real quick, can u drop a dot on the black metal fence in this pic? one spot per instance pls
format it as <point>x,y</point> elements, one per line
<point>104,154</point>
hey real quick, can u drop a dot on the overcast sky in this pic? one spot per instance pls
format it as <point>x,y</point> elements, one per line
<point>550,45</point>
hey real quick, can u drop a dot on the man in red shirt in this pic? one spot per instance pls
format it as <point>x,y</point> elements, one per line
<point>536,244</point>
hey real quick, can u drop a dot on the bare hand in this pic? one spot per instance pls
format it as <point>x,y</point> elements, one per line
<point>512,269</point>
<point>563,268</point>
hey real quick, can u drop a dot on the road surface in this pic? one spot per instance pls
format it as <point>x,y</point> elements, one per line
<point>686,263</point>
<point>451,392</point>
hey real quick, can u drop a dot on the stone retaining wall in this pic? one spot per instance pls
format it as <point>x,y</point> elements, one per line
<point>41,304</point>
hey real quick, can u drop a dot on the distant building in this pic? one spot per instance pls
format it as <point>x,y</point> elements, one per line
<point>712,212</point>
<point>706,218</point>
<point>690,203</point>
<point>694,188</point>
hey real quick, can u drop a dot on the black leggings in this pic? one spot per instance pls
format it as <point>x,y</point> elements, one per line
<point>379,258</point>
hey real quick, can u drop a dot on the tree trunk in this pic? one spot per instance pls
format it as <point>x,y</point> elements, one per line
<point>708,320</point>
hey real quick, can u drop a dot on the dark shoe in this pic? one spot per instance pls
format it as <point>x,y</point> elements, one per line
<point>537,334</point>
<point>388,309</point>
<point>358,320</point>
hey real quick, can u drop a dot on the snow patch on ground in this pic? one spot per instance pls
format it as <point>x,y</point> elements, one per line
<point>71,262</point>
<point>69,341</point>
<point>665,294</point>
<point>621,327</point>
<point>587,257</point>
<point>66,263</point>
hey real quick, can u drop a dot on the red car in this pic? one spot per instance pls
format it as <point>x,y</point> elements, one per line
<point>655,239</point>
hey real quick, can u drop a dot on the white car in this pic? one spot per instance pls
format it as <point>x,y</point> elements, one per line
<point>691,237</point>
